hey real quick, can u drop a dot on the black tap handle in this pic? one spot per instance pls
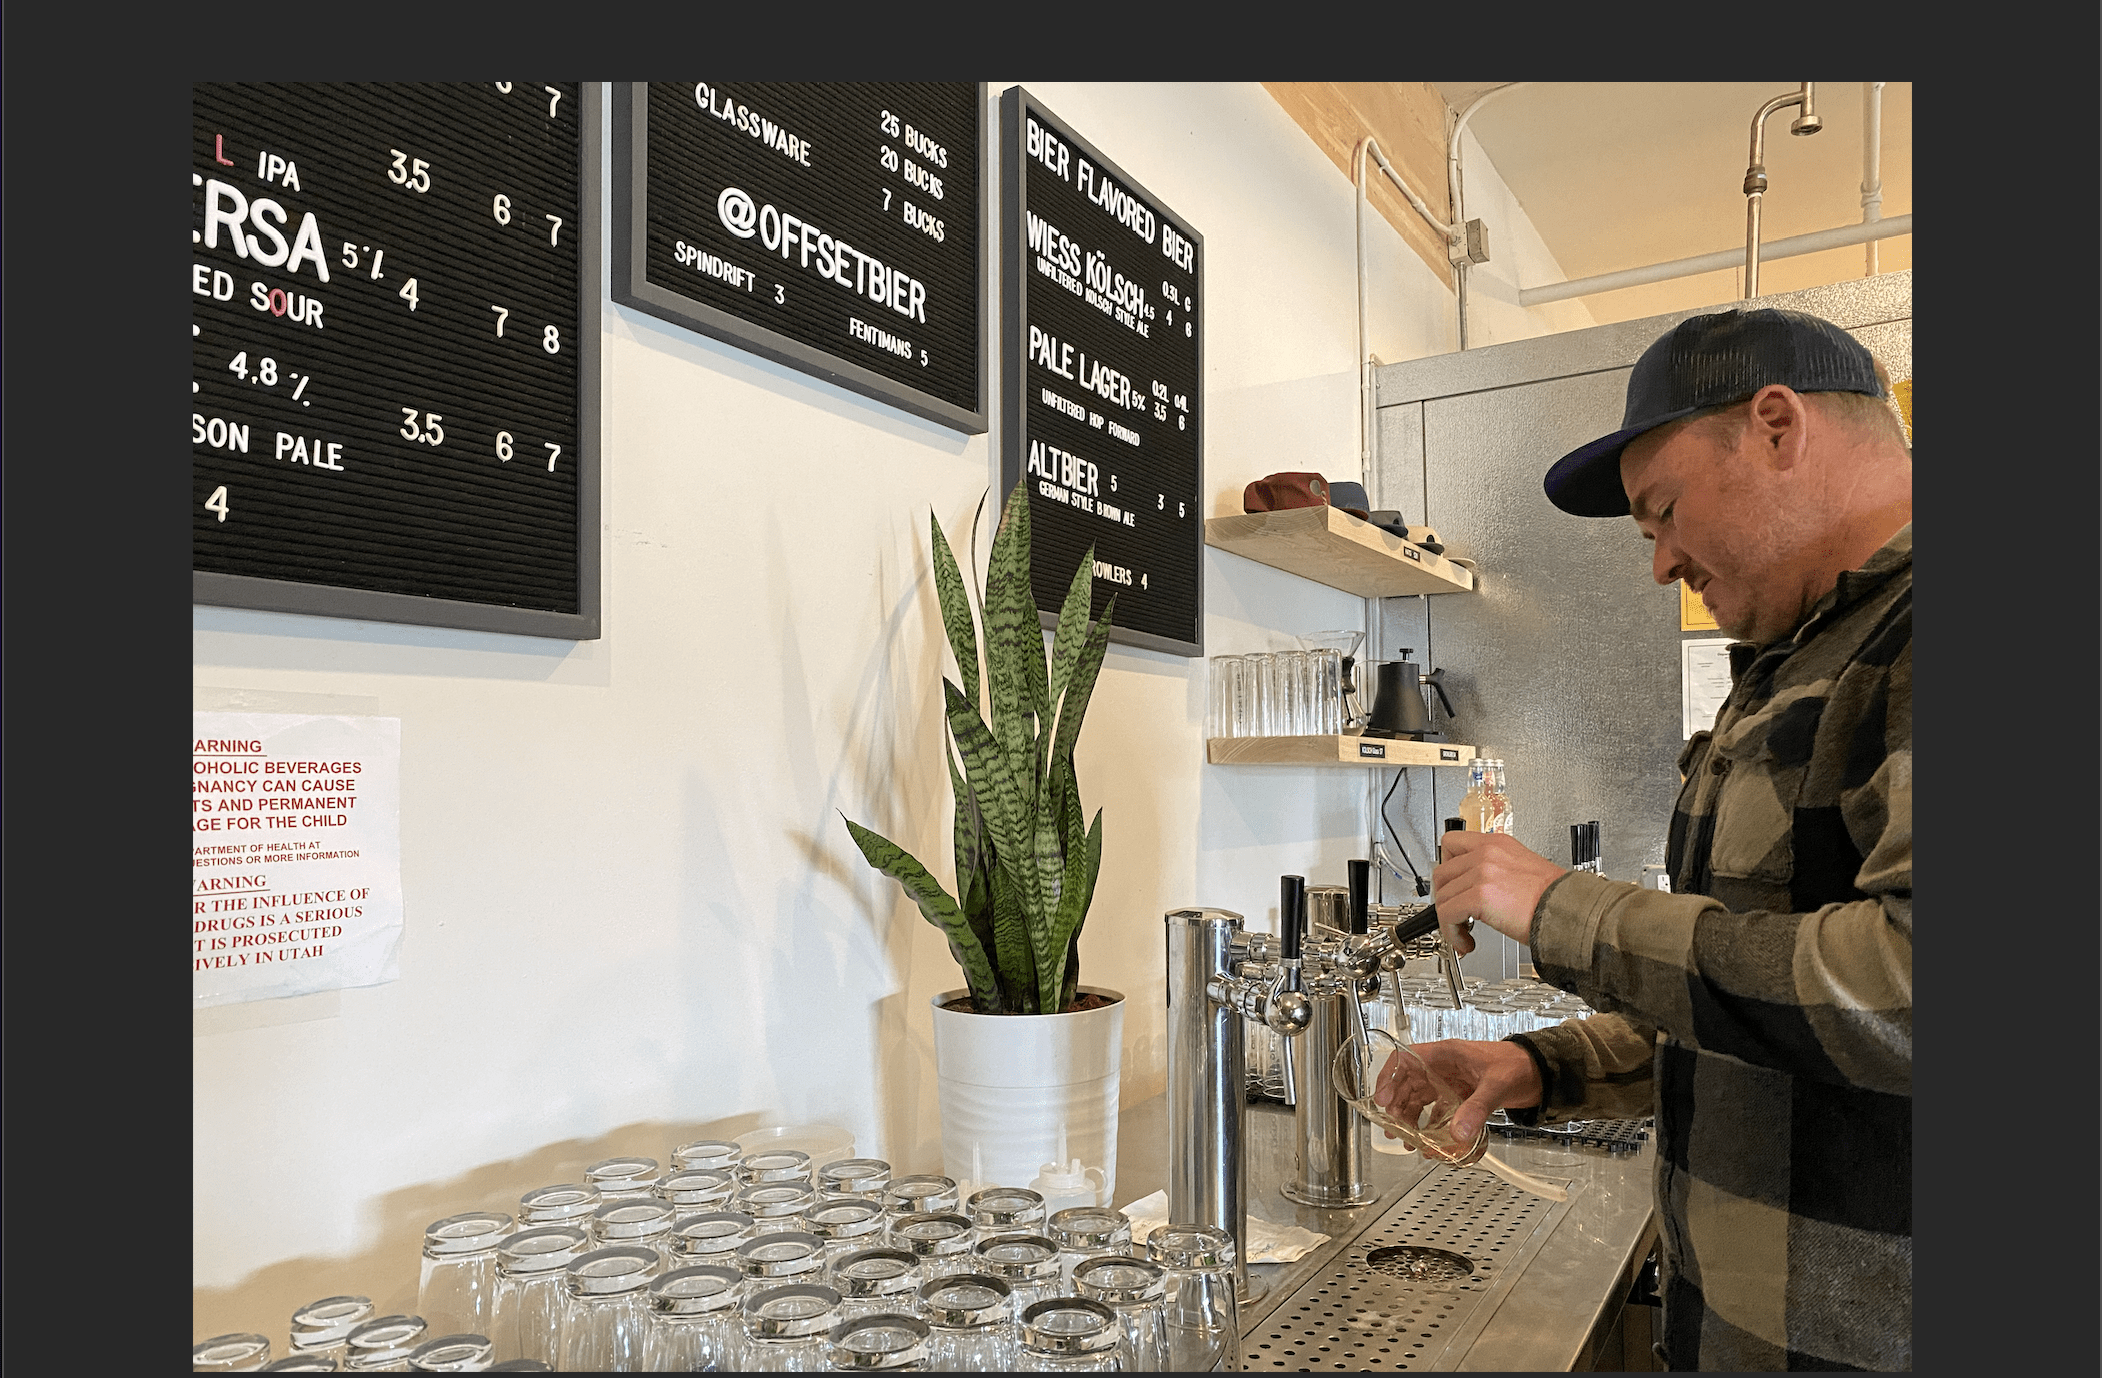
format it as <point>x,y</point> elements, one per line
<point>1416,925</point>
<point>1291,915</point>
<point>1576,844</point>
<point>1360,894</point>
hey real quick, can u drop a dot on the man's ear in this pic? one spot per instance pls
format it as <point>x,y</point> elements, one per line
<point>1777,426</point>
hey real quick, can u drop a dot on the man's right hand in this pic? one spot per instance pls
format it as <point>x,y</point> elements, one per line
<point>1487,1076</point>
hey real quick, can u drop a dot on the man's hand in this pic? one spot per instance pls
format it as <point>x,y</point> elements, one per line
<point>1491,877</point>
<point>1484,1076</point>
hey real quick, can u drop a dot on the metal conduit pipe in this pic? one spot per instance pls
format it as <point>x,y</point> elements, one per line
<point>1818,240</point>
<point>1871,163</point>
<point>1806,123</point>
<point>1455,193</point>
<point>1357,176</point>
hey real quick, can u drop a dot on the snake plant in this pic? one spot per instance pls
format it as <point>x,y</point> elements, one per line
<point>1025,861</point>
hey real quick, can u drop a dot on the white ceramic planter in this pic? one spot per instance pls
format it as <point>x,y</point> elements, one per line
<point>1008,1082</point>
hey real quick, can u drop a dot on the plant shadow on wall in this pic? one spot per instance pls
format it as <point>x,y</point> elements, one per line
<point>1026,858</point>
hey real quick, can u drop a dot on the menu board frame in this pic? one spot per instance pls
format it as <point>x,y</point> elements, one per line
<point>216,589</point>
<point>1016,283</point>
<point>632,288</point>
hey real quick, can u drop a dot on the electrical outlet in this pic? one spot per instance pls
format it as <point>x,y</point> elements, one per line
<point>1655,878</point>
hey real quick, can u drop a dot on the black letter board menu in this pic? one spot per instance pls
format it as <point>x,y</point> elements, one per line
<point>395,344</point>
<point>1102,380</point>
<point>838,228</point>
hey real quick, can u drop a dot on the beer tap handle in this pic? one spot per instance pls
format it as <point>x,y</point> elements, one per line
<point>1424,920</point>
<point>1360,894</point>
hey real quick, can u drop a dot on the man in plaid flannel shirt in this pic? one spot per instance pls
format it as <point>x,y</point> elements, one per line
<point>1762,1008</point>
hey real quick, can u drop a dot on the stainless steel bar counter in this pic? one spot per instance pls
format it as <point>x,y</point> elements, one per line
<point>1548,1278</point>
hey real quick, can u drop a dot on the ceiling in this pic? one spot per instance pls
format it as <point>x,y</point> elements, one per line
<point>1622,174</point>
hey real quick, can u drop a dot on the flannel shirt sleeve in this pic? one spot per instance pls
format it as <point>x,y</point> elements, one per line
<point>1825,994</point>
<point>1590,1069</point>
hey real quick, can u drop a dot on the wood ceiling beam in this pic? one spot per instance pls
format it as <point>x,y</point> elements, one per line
<point>1408,119</point>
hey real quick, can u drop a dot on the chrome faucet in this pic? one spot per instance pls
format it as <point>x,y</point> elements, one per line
<point>1219,976</point>
<point>1339,970</point>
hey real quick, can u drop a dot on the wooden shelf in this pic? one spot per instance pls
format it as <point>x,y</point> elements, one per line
<point>1329,546</point>
<point>1333,751</point>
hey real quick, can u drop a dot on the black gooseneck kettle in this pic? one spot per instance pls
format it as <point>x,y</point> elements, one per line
<point>1397,705</point>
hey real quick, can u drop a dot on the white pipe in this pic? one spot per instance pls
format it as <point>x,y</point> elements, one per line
<point>1454,183</point>
<point>1357,179</point>
<point>1406,190</point>
<point>1837,238</point>
<point>1871,162</point>
<point>1455,192</point>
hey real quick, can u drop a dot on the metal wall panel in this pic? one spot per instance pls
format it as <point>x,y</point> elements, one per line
<point>1853,305</point>
<point>1565,663</point>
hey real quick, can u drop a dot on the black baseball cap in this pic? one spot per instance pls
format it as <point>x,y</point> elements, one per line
<point>1703,362</point>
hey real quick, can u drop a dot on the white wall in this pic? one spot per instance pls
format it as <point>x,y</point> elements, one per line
<point>632,914</point>
<point>1517,256</point>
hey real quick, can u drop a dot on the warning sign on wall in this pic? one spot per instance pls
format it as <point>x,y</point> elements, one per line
<point>295,827</point>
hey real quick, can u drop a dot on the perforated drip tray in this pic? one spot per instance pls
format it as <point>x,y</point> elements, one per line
<point>1415,1288</point>
<point>1414,1263</point>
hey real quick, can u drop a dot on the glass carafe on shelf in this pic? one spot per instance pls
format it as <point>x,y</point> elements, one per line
<point>1350,710</point>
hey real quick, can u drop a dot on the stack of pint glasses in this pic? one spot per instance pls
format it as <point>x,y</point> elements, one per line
<point>1276,694</point>
<point>726,1262</point>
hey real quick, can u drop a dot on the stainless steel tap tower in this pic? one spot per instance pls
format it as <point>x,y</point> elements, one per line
<point>1333,1142</point>
<point>1218,976</point>
<point>1307,989</point>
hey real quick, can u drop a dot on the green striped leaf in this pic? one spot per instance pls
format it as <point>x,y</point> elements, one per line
<point>1085,863</point>
<point>993,784</point>
<point>1014,640</point>
<point>1071,637</point>
<point>934,903</point>
<point>1050,879</point>
<point>1080,686</point>
<point>1013,960</point>
<point>950,589</point>
<point>973,858</point>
